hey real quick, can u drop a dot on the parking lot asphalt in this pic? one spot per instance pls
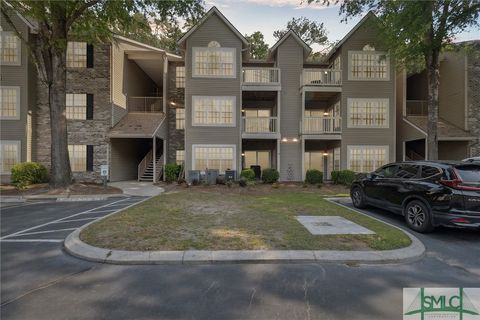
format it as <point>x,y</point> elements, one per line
<point>40,281</point>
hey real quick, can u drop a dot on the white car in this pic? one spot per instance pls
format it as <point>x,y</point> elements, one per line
<point>472,159</point>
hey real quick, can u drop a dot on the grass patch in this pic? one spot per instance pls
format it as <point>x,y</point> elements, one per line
<point>234,219</point>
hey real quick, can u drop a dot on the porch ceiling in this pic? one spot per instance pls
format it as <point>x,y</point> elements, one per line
<point>137,125</point>
<point>150,62</point>
<point>319,95</point>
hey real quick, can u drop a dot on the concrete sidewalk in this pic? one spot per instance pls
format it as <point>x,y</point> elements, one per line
<point>136,188</point>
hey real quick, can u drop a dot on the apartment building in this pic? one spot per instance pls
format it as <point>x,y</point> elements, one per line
<point>459,108</point>
<point>135,107</point>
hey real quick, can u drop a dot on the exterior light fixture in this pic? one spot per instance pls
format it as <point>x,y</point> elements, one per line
<point>243,110</point>
<point>325,113</point>
<point>295,140</point>
<point>325,154</point>
<point>173,103</point>
<point>284,140</point>
<point>326,72</point>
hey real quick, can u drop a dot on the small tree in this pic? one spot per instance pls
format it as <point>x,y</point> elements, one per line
<point>258,47</point>
<point>89,20</point>
<point>416,32</point>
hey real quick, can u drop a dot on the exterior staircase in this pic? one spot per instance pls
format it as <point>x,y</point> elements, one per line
<point>145,168</point>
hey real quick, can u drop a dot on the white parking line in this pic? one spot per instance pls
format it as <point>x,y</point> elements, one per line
<point>32,240</point>
<point>46,231</point>
<point>103,211</point>
<point>61,219</point>
<point>74,220</point>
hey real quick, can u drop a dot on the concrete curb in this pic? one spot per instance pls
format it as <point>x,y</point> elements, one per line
<point>80,249</point>
<point>61,198</point>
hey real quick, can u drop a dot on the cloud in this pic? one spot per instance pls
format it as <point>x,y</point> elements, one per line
<point>295,4</point>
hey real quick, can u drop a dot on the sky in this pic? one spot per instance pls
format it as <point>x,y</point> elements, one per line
<point>267,16</point>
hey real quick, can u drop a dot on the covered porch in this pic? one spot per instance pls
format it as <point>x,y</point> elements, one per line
<point>259,154</point>
<point>322,155</point>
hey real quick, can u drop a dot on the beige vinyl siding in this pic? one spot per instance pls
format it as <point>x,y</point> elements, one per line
<point>451,94</point>
<point>17,76</point>
<point>366,89</point>
<point>119,98</point>
<point>290,60</point>
<point>211,30</point>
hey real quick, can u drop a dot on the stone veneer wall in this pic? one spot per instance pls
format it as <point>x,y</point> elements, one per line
<point>473,99</point>
<point>95,81</point>
<point>176,138</point>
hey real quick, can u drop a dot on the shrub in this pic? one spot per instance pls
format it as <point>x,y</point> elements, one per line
<point>345,177</point>
<point>242,182</point>
<point>172,170</point>
<point>248,174</point>
<point>26,173</point>
<point>314,176</point>
<point>270,175</point>
<point>229,183</point>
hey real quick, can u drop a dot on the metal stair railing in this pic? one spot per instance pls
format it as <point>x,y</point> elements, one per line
<point>142,166</point>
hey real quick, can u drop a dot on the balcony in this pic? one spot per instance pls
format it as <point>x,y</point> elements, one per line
<point>145,104</point>
<point>322,78</point>
<point>416,108</point>
<point>256,127</point>
<point>261,78</point>
<point>322,125</point>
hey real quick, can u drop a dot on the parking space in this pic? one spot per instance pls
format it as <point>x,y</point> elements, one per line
<point>53,221</point>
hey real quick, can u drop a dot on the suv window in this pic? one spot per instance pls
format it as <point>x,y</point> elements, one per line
<point>428,171</point>
<point>387,171</point>
<point>407,171</point>
<point>469,173</point>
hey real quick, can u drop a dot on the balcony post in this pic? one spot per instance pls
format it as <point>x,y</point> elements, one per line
<point>154,159</point>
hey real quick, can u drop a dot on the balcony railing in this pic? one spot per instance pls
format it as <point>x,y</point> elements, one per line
<point>417,108</point>
<point>260,76</point>
<point>321,77</point>
<point>320,125</point>
<point>260,125</point>
<point>145,104</point>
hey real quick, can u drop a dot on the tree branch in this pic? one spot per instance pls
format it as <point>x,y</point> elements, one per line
<point>79,11</point>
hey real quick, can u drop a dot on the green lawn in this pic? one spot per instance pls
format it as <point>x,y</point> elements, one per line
<point>232,219</point>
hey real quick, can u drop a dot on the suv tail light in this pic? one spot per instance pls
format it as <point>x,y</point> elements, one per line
<point>457,183</point>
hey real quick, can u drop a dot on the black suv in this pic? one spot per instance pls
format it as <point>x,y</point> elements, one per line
<point>427,193</point>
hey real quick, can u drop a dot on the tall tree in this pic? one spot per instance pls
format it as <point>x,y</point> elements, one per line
<point>416,32</point>
<point>258,47</point>
<point>311,32</point>
<point>92,21</point>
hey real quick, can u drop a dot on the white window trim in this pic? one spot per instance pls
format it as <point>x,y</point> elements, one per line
<point>234,167</point>
<point>19,153</point>
<point>19,50</point>
<point>387,116</point>
<point>17,117</point>
<point>234,67</point>
<point>352,78</point>
<point>369,146</point>
<point>234,112</point>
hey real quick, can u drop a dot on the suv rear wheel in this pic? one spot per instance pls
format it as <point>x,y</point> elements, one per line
<point>418,216</point>
<point>358,198</point>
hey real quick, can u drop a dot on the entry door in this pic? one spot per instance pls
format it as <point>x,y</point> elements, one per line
<point>258,158</point>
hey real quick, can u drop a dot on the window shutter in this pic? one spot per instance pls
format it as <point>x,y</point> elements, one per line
<point>89,56</point>
<point>89,158</point>
<point>89,106</point>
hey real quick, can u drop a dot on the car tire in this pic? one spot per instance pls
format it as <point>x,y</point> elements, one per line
<point>418,216</point>
<point>358,198</point>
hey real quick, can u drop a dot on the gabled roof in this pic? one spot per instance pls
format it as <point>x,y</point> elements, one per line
<point>146,46</point>
<point>210,12</point>
<point>306,47</point>
<point>350,33</point>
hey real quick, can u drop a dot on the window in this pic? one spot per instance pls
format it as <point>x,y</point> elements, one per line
<point>180,156</point>
<point>9,155</point>
<point>258,120</point>
<point>76,106</point>
<point>10,48</point>
<point>77,54</point>
<point>336,159</point>
<point>428,172</point>
<point>180,118</point>
<point>368,113</point>
<point>214,62</point>
<point>78,157</point>
<point>10,103</point>
<point>213,111</point>
<point>387,171</point>
<point>314,160</point>
<point>368,65</point>
<point>257,158</point>
<point>180,77</point>
<point>366,158</point>
<point>407,171</point>
<point>213,157</point>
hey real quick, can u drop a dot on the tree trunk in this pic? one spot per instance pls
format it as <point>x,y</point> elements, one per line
<point>60,172</point>
<point>433,78</point>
